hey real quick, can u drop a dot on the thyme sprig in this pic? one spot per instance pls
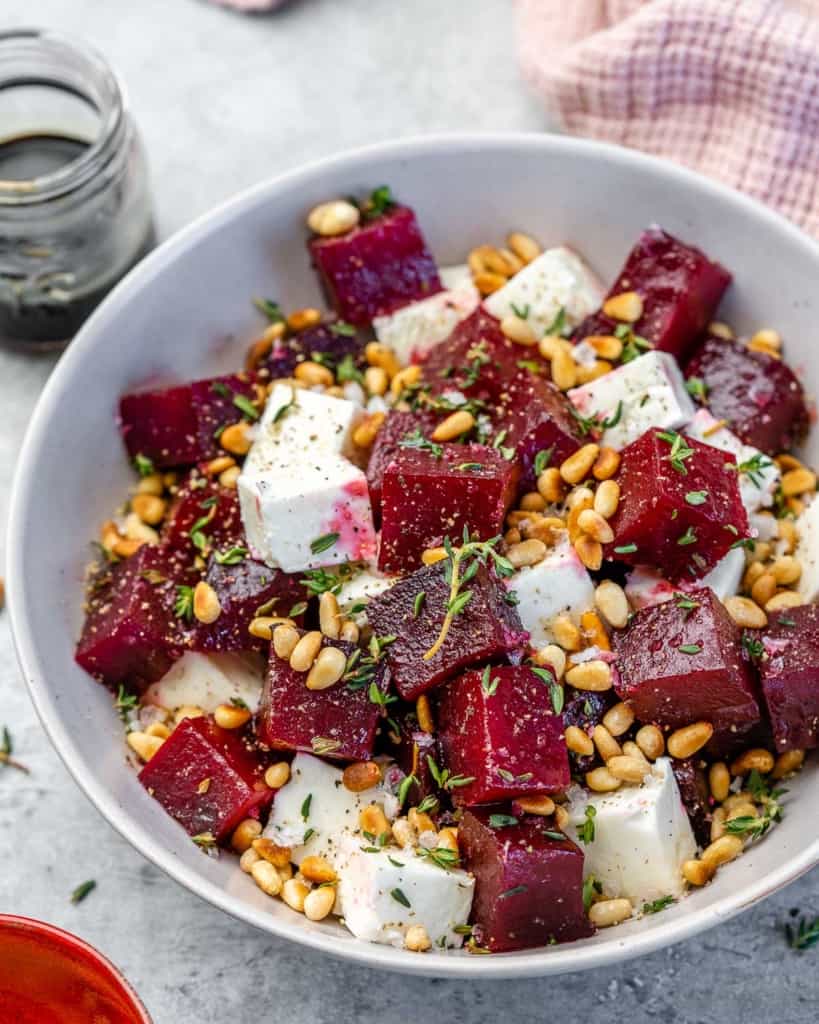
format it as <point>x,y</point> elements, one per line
<point>802,934</point>
<point>7,749</point>
<point>772,810</point>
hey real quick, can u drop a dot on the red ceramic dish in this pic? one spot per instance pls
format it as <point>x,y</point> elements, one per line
<point>48,976</point>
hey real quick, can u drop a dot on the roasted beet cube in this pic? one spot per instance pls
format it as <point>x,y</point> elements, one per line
<point>198,751</point>
<point>680,505</point>
<point>131,634</point>
<point>411,752</point>
<point>759,396</point>
<point>397,427</point>
<point>413,610</point>
<point>498,728</point>
<point>477,359</point>
<point>528,882</point>
<point>428,494</point>
<point>789,673</point>
<point>376,268</point>
<point>678,664</point>
<point>331,344</point>
<point>695,795</point>
<point>680,288</point>
<point>203,517</point>
<point>244,586</point>
<point>338,722</point>
<point>180,425</point>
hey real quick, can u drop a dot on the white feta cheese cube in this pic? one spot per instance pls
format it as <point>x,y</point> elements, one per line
<point>413,331</point>
<point>559,585</point>
<point>642,836</point>
<point>645,586</point>
<point>208,680</point>
<point>760,475</point>
<point>807,552</point>
<point>361,588</point>
<point>555,280</point>
<point>380,895</point>
<point>647,392</point>
<point>316,799</point>
<point>303,514</point>
<point>300,425</point>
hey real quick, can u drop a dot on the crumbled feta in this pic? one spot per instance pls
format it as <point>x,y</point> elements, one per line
<point>315,800</point>
<point>647,392</point>
<point>414,330</point>
<point>760,475</point>
<point>645,586</point>
<point>298,423</point>
<point>807,551</point>
<point>555,280</point>
<point>208,680</point>
<point>559,585</point>
<point>382,894</point>
<point>642,836</point>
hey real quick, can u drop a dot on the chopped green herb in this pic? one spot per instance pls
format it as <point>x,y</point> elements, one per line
<point>320,581</point>
<point>520,311</point>
<point>403,790</point>
<point>542,459</point>
<point>7,749</point>
<point>625,549</point>
<point>399,897</point>
<point>586,831</point>
<point>489,686</point>
<point>418,603</point>
<point>782,621</point>
<point>440,855</point>
<point>308,833</point>
<point>771,809</point>
<point>283,410</point>
<point>237,702</point>
<point>342,329</point>
<point>516,890</point>
<point>529,364</point>
<point>696,497</point>
<point>804,934</point>
<point>183,606</point>
<point>246,407</point>
<point>555,689</point>
<point>305,807</point>
<point>204,840</point>
<point>466,467</point>
<point>395,863</point>
<point>377,697</point>
<point>754,467</point>
<point>144,466</point>
<point>659,904</point>
<point>323,543</point>
<point>444,779</point>
<point>752,646</point>
<point>83,890</point>
<point>232,556</point>
<point>218,387</point>
<point>633,344</point>
<point>689,648</point>
<point>688,604</point>
<point>429,803</point>
<point>321,745</point>
<point>558,325</point>
<point>501,820</point>
<point>417,440</point>
<point>695,386</point>
<point>347,370</point>
<point>680,451</point>
<point>299,608</point>
<point>271,309</point>
<point>125,702</point>
<point>379,201</point>
<point>591,888</point>
<point>551,834</point>
<point>689,537</point>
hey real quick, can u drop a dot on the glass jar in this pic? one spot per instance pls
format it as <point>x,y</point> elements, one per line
<point>75,205</point>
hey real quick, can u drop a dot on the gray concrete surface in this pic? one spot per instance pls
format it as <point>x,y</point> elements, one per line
<point>223,101</point>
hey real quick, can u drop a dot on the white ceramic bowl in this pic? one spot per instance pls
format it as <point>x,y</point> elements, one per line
<point>185,312</point>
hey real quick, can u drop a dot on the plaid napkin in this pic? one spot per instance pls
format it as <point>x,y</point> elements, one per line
<point>728,87</point>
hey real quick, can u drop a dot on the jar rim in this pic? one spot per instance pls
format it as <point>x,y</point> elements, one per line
<point>108,99</point>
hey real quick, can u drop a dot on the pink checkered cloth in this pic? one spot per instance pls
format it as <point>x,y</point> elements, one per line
<point>728,87</point>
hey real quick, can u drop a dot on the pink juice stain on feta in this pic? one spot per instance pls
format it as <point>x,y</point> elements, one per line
<point>352,521</point>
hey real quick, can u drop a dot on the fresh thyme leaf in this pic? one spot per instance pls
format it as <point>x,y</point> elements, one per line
<point>754,467</point>
<point>429,803</point>
<point>417,440</point>
<point>79,894</point>
<point>516,890</point>
<point>586,831</point>
<point>696,497</point>
<point>204,840</point>
<point>688,604</point>
<point>7,749</point>
<point>283,410</point>
<point>347,370</point>
<point>444,779</point>
<point>680,450</point>
<point>308,833</point>
<point>299,608</point>
<point>246,407</point>
<point>305,807</point>
<point>633,344</point>
<point>144,466</point>
<point>125,702</point>
<point>375,696</point>
<point>591,887</point>
<point>655,906</point>
<point>556,691</point>
<point>403,790</point>
<point>489,686</point>
<point>689,537</point>
<point>502,820</point>
<point>695,386</point>
<point>237,702</point>
<point>804,934</point>
<point>183,606</point>
<point>418,603</point>
<point>232,556</point>
<point>380,200</point>
<point>754,647</point>
<point>218,387</point>
<point>542,459</point>
<point>551,834</point>
<point>520,311</point>
<point>319,581</point>
<point>323,543</point>
<point>270,308</point>
<point>440,855</point>
<point>342,329</point>
<point>321,745</point>
<point>399,897</point>
<point>465,467</point>
<point>625,549</point>
<point>689,648</point>
<point>558,325</point>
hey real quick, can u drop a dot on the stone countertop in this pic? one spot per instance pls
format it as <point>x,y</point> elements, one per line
<point>224,101</point>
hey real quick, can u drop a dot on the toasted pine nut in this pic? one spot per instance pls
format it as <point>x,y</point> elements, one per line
<point>598,368</point>
<point>533,501</point>
<point>266,877</point>
<point>627,307</point>
<point>248,859</point>
<point>618,719</point>
<point>606,913</point>
<point>125,548</point>
<point>236,438</point>
<point>518,330</point>
<point>230,477</point>
<point>721,330</point>
<point>578,741</point>
<point>566,633</point>
<point>629,769</point>
<point>606,464</point>
<point>600,780</point>
<point>319,902</point>
<point>420,820</point>
<point>404,833</point>
<point>227,716</point>
<point>376,380</point>
<point>486,282</point>
<point>294,894</point>
<point>593,524</point>
<point>424,712</point>
<point>650,740</point>
<point>514,264</point>
<point>550,485</point>
<point>285,641</point>
<point>551,345</point>
<point>612,603</point>
<point>448,839</point>
<point>718,824</point>
<point>756,759</point>
<point>456,424</point>
<point>719,781</point>
<point>317,869</point>
<point>277,775</point>
<point>790,761</point>
<point>206,605</point>
<point>697,872</point>
<point>746,613</point>
<point>798,481</point>
<point>366,432</point>
<point>527,552</point>
<point>607,745</point>
<point>272,852</point>
<point>735,800</point>
<point>589,551</point>
<point>630,749</point>
<point>605,345</point>
<point>786,570</point>
<point>487,258</point>
<point>607,498</point>
<point>542,805</point>
<point>304,653</point>
<point>151,484</point>
<point>149,508</point>
<point>787,533</point>
<point>761,552</point>
<point>361,776</point>
<point>523,246</point>
<point>578,466</point>
<point>373,820</point>
<point>265,626</point>
<point>405,379</point>
<point>314,374</point>
<point>564,370</point>
<point>553,656</point>
<point>417,940</point>
<point>764,588</point>
<point>219,465</point>
<point>187,711</point>
<point>377,354</point>
<point>301,319</point>
<point>336,217</point>
<point>688,740</point>
<point>329,666</point>
<point>243,835</point>
<point>752,574</point>
<point>769,338</point>
<point>350,632</point>
<point>143,745</point>
<point>746,810</point>
<point>433,555</point>
<point>329,615</point>
<point>784,599</point>
<point>722,850</point>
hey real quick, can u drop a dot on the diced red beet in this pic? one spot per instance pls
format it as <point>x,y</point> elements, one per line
<point>329,344</point>
<point>683,512</point>
<point>528,883</point>
<point>693,787</point>
<point>397,427</point>
<point>411,752</point>
<point>203,517</point>
<point>477,359</point>
<point>789,674</point>
<point>243,588</point>
<point>428,495</point>
<point>338,722</point>
<point>198,750</point>
<point>759,396</point>
<point>498,728</point>
<point>178,426</point>
<point>487,629</point>
<point>677,665</point>
<point>377,267</point>
<point>131,634</point>
<point>680,288</point>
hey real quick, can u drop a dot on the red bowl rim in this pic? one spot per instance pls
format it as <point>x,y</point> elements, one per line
<point>69,940</point>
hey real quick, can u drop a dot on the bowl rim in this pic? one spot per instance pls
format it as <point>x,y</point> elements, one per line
<point>555,960</point>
